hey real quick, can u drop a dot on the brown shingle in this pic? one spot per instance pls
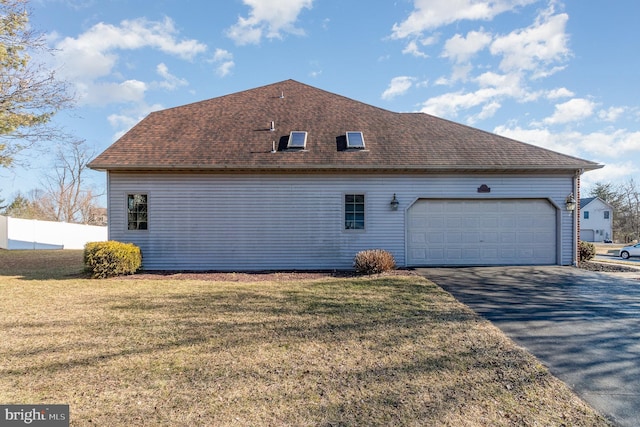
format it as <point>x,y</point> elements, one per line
<point>232,132</point>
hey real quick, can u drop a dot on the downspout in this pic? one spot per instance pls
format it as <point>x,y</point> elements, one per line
<point>576,215</point>
<point>108,206</point>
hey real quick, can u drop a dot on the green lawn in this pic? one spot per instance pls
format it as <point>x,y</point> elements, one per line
<point>387,350</point>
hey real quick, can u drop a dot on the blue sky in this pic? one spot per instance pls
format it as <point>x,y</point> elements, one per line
<point>559,74</point>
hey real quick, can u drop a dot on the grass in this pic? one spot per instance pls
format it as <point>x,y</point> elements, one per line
<point>394,350</point>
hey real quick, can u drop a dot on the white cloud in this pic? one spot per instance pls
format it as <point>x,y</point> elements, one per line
<point>603,144</point>
<point>573,110</point>
<point>611,172</point>
<point>534,47</point>
<point>113,92</point>
<point>611,114</point>
<point>170,81</point>
<point>563,142</point>
<point>488,111</point>
<point>431,14</point>
<point>614,144</point>
<point>559,93</point>
<point>268,18</point>
<point>398,86</point>
<point>91,54</point>
<point>413,49</point>
<point>223,59</point>
<point>448,104</point>
<point>123,122</point>
<point>524,54</point>
<point>94,55</point>
<point>493,88</point>
<point>461,49</point>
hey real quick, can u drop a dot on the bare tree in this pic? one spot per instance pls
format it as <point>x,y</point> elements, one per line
<point>630,211</point>
<point>625,199</point>
<point>66,194</point>
<point>30,93</point>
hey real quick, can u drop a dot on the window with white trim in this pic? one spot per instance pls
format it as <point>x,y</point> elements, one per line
<point>354,211</point>
<point>137,216</point>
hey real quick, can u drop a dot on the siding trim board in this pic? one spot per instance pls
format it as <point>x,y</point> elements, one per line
<point>296,221</point>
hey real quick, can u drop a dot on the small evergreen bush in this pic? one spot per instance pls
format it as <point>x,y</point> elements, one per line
<point>109,259</point>
<point>587,251</point>
<point>373,261</point>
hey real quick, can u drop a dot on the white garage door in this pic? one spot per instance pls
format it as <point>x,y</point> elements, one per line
<point>481,232</point>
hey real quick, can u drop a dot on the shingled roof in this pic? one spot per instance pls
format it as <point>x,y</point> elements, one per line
<point>233,132</point>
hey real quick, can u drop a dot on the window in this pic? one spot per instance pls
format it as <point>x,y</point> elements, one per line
<point>586,214</point>
<point>298,140</point>
<point>355,140</point>
<point>606,214</point>
<point>137,212</point>
<point>354,212</point>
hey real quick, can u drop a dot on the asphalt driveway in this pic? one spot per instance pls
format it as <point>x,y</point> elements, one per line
<point>584,326</point>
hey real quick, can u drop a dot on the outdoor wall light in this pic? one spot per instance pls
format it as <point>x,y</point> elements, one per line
<point>571,202</point>
<point>394,203</point>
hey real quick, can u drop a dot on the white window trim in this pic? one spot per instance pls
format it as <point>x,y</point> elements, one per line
<point>344,212</point>
<point>126,211</point>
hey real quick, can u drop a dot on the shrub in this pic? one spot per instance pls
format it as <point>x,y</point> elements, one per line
<point>587,251</point>
<point>108,259</point>
<point>373,261</point>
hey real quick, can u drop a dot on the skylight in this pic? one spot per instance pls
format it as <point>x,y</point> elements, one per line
<point>355,140</point>
<point>297,139</point>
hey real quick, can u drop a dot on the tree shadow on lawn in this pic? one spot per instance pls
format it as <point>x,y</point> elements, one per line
<point>229,317</point>
<point>336,352</point>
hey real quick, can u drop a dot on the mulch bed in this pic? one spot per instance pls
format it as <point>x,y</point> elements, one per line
<point>280,276</point>
<point>606,267</point>
<point>258,276</point>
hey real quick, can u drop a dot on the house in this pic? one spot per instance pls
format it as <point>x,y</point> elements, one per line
<point>288,176</point>
<point>596,220</point>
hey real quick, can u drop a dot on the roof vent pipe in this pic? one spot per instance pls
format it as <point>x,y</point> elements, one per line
<point>273,146</point>
<point>273,126</point>
<point>282,95</point>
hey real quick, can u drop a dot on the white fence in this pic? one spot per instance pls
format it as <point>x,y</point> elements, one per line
<point>18,233</point>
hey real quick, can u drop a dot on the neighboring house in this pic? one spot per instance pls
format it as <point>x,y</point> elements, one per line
<point>98,216</point>
<point>288,176</point>
<point>596,220</point>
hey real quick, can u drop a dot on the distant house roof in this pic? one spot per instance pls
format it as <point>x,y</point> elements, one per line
<point>586,200</point>
<point>249,131</point>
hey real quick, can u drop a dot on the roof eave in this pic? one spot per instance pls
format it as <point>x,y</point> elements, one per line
<point>361,168</point>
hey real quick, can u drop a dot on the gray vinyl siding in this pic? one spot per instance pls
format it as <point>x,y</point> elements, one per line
<point>272,222</point>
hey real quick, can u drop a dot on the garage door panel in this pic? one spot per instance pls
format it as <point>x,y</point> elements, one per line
<point>435,222</point>
<point>508,237</point>
<point>489,222</point>
<point>472,237</point>
<point>418,238</point>
<point>481,232</point>
<point>435,237</point>
<point>490,237</point>
<point>455,254</point>
<point>454,222</point>
<point>455,238</point>
<point>436,254</point>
